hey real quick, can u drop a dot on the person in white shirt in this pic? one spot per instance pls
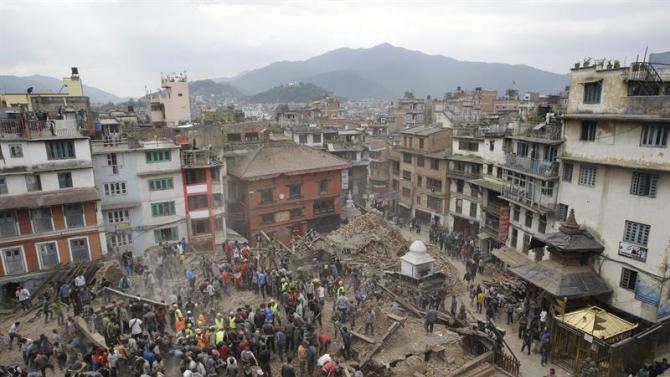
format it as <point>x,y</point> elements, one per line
<point>80,281</point>
<point>23,295</point>
<point>325,358</point>
<point>135,326</point>
<point>543,317</point>
<point>13,333</point>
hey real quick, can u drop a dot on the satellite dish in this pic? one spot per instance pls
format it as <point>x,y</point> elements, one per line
<point>29,90</point>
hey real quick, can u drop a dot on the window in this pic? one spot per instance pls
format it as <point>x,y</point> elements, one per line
<point>473,209</point>
<point>297,213</point>
<point>562,211</point>
<point>459,186</point>
<point>295,190</point>
<point>654,135</point>
<point>420,143</point>
<point>587,175</point>
<point>526,243</point>
<point>468,146</point>
<point>118,216</point>
<point>323,186</point>
<point>162,209</point>
<point>120,240</point>
<point>166,234</point>
<point>515,237</point>
<point>644,184</point>
<point>489,169</point>
<point>113,162</point>
<point>433,184</point>
<point>406,175</point>
<point>395,185</point>
<point>324,206</point>
<point>434,203</point>
<point>60,150</point>
<point>492,145</point>
<point>47,253</point>
<point>406,192</point>
<point>64,180</point>
<point>522,149</point>
<point>474,190</point>
<point>420,160</point>
<point>3,185</point>
<point>628,278</point>
<point>636,233</point>
<point>588,132</point>
<point>407,158</point>
<point>418,199</point>
<point>266,196</point>
<point>33,183</point>
<point>115,188</point>
<point>79,250</point>
<point>316,138</point>
<point>302,139</point>
<point>516,213</point>
<point>41,218</point>
<point>74,215</point>
<point>542,225</point>
<point>13,260</point>
<point>567,171</point>
<point>547,188</point>
<point>15,150</point>
<point>529,219</point>
<point>592,92</point>
<point>200,226</point>
<point>218,199</point>
<point>197,202</point>
<point>160,184</point>
<point>195,176</point>
<point>161,155</point>
<point>267,218</point>
<point>419,180</point>
<point>434,164</point>
<point>459,205</point>
<point>8,224</point>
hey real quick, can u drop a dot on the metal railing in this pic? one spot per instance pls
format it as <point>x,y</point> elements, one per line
<point>465,174</point>
<point>548,131</point>
<point>38,128</point>
<point>548,169</point>
<point>528,197</point>
<point>199,157</point>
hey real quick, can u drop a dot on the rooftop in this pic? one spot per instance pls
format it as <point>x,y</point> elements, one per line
<point>597,322</point>
<point>269,161</point>
<point>422,131</point>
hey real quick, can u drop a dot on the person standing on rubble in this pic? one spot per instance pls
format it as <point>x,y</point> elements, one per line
<point>430,321</point>
<point>342,306</point>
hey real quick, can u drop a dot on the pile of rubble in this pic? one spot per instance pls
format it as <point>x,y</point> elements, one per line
<point>510,286</point>
<point>370,237</point>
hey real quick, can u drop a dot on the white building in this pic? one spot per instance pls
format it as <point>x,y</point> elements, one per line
<point>615,174</point>
<point>140,184</point>
<point>171,106</point>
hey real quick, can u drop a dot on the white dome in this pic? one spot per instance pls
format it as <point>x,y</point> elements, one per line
<point>417,247</point>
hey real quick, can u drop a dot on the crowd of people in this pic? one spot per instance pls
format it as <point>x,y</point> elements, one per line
<point>194,333</point>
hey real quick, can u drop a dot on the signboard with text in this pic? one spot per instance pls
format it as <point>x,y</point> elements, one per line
<point>503,225</point>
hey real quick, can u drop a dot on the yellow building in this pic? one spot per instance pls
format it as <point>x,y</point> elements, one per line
<point>72,87</point>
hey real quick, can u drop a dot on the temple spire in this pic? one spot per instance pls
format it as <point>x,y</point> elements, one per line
<point>570,226</point>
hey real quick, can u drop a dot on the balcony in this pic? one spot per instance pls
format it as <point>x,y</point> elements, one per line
<point>550,132</point>
<point>198,158</point>
<point>464,174</point>
<point>39,129</point>
<point>545,169</point>
<point>523,196</point>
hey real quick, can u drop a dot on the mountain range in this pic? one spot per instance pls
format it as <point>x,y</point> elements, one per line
<point>19,84</point>
<point>300,92</point>
<point>387,71</point>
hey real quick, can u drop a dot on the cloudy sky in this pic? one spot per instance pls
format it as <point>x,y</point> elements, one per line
<point>122,46</point>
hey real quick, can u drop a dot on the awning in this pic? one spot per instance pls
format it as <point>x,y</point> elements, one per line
<point>510,256</point>
<point>597,322</point>
<point>49,198</point>
<point>560,280</point>
<point>488,184</point>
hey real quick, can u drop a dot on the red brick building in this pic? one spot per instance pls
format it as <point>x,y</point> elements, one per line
<point>285,190</point>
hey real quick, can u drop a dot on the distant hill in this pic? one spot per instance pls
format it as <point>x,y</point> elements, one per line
<point>386,71</point>
<point>300,92</point>
<point>214,91</point>
<point>51,84</point>
<point>660,57</point>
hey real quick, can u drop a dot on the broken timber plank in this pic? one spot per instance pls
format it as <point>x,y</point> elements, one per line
<point>395,326</point>
<point>363,337</point>
<point>126,295</point>
<point>94,337</point>
<point>396,318</point>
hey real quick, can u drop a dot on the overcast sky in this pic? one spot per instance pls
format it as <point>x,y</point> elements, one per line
<point>122,46</point>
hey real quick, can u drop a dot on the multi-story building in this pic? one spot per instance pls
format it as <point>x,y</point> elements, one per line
<point>72,88</point>
<point>284,190</point>
<point>142,192</point>
<point>414,110</point>
<point>475,183</point>
<point>203,174</point>
<point>49,210</point>
<point>171,106</point>
<point>311,136</point>
<point>419,174</point>
<point>615,174</point>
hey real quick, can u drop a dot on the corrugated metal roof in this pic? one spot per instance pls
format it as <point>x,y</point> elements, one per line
<point>597,322</point>
<point>560,280</point>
